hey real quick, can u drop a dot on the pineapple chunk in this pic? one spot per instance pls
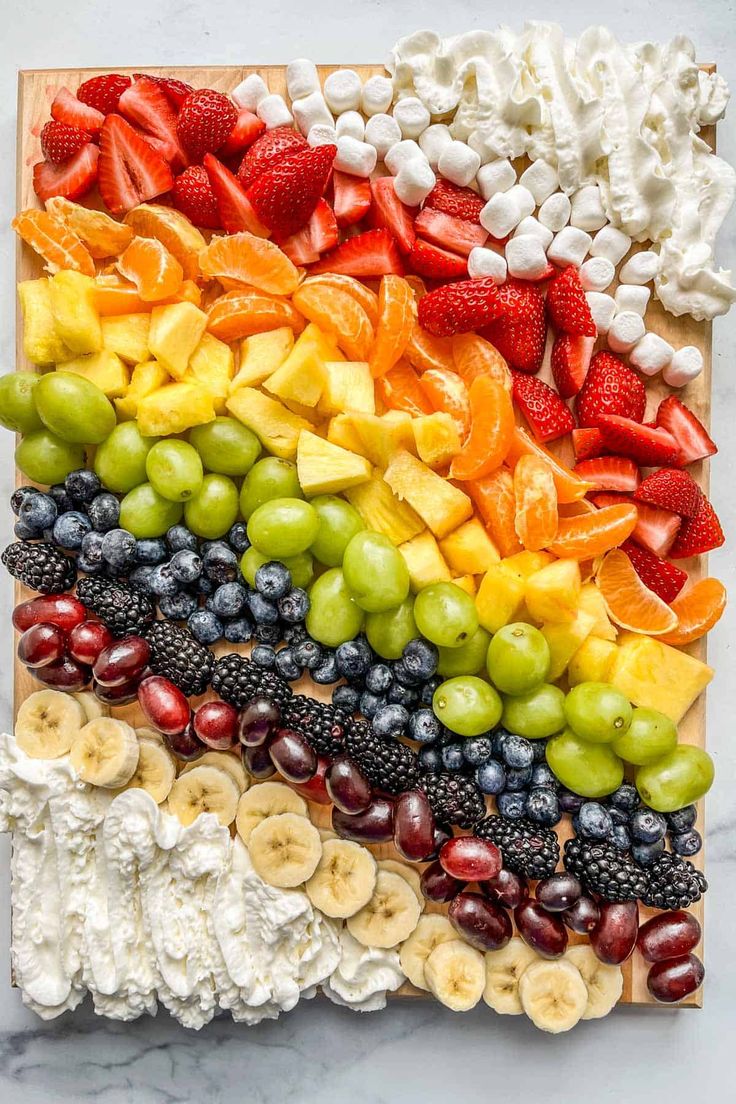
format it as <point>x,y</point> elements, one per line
<point>324,468</point>
<point>301,378</point>
<point>440,505</point>
<point>105,369</point>
<point>552,594</point>
<point>469,550</point>
<point>348,387</point>
<point>174,408</point>
<point>212,364</point>
<point>436,439</point>
<point>525,564</point>
<point>340,431</point>
<point>146,379</point>
<point>41,342</point>
<point>75,316</point>
<point>466,583</point>
<point>127,335</point>
<point>657,676</point>
<point>564,639</point>
<point>260,356</point>
<point>592,661</point>
<point>499,598</point>
<point>383,436</point>
<point>425,561</point>
<point>176,331</point>
<point>275,427</point>
<point>381,510</point>
<point>591,600</point>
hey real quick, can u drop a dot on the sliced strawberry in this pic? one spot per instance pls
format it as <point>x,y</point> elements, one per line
<point>374,253</point>
<point>699,534</point>
<point>104,92</point>
<point>318,235</point>
<point>462,203</point>
<point>146,105</point>
<point>587,443</point>
<point>610,387</point>
<point>176,90</point>
<point>570,363</point>
<point>544,410</point>
<point>389,212</point>
<point>672,489</point>
<point>665,579</point>
<point>610,473</point>
<point>455,234</point>
<point>284,196</point>
<point>567,306</point>
<point>351,198</point>
<point>59,141</point>
<point>72,180</point>
<point>235,210</point>
<point>520,333</point>
<point>545,274</point>
<point>205,122</point>
<point>651,448</point>
<point>299,247</point>
<point>193,196</point>
<point>437,264</point>
<point>247,128</point>
<point>689,432</point>
<point>130,169</point>
<point>66,108</point>
<point>460,308</point>
<point>267,150</point>
<point>655,529</point>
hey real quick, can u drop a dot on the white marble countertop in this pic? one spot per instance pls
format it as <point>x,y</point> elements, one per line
<point>416,1051</point>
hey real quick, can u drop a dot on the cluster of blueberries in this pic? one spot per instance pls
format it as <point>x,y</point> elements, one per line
<point>630,826</point>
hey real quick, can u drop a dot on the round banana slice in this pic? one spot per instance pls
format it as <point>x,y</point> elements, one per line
<point>47,723</point>
<point>226,761</point>
<point>390,916</point>
<point>344,879</point>
<point>155,772</point>
<point>105,753</point>
<point>285,849</point>
<point>455,973</point>
<point>265,800</point>
<point>91,705</point>
<point>553,994</point>
<point>604,983</point>
<point>408,873</point>
<point>432,930</point>
<point>145,732</point>
<point>503,970</point>
<point>204,790</point>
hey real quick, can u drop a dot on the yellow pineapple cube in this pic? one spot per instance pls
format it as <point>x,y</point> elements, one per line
<point>341,431</point>
<point>105,369</point>
<point>146,379</point>
<point>591,600</point>
<point>564,639</point>
<point>301,378</point>
<point>324,468</point>
<point>127,335</point>
<point>383,435</point>
<point>469,550</point>
<point>466,583</point>
<point>439,504</point>
<point>552,593</point>
<point>212,364</point>
<point>174,408</point>
<point>381,510</point>
<point>499,598</point>
<point>525,564</point>
<point>348,387</point>
<point>657,676</point>
<point>436,439</point>
<point>592,661</point>
<point>424,560</point>
<point>75,315</point>
<point>176,331</point>
<point>41,342</point>
<point>275,427</point>
<point>260,356</point>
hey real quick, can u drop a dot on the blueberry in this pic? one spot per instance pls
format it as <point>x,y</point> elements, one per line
<point>19,496</point>
<point>38,512</point>
<point>177,607</point>
<point>354,658</point>
<point>378,678</point>
<point>307,654</point>
<point>686,843</point>
<point>345,697</point>
<point>262,611</point>
<point>682,819</point>
<point>390,720</point>
<point>91,547</point>
<point>162,582</point>
<point>512,806</point>
<point>517,752</point>
<point>70,528</point>
<point>423,726</point>
<point>82,485</point>
<point>294,634</point>
<point>420,659</point>
<point>403,695</point>
<point>500,736</point>
<point>273,580</point>
<point>205,586</point>
<point>287,666</point>
<point>426,694</point>
<point>371,703</point>
<point>491,777</point>
<point>178,537</point>
<point>403,675</point>
<point>619,817</point>
<point>24,531</point>
<point>229,600</point>
<point>219,562</point>
<point>264,656</point>
<point>477,750</point>
<point>239,630</point>
<point>237,538</point>
<point>205,627</point>
<point>593,820</point>
<point>570,802</point>
<point>539,752</point>
<point>452,757</point>
<point>326,671</point>
<point>139,577</point>
<point>648,826</point>
<point>518,778</point>
<point>626,797</point>
<point>294,606</point>
<point>620,837</point>
<point>104,512</point>
<point>542,807</point>
<point>543,776</point>
<point>150,550</point>
<point>119,549</point>
<point>267,634</point>
<point>430,758</point>
<point>647,853</point>
<point>89,566</point>
<point>63,501</point>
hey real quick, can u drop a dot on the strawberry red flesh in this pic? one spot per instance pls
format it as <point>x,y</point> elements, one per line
<point>435,263</point>
<point>587,443</point>
<point>567,306</point>
<point>374,253</point>
<point>610,387</point>
<point>449,232</point>
<point>520,333</point>
<point>460,308</point>
<point>351,198</point>
<point>234,208</point>
<point>193,196</point>
<point>72,180</point>
<point>388,212</point>
<point>146,105</point>
<point>130,169</point>
<point>649,447</point>
<point>462,203</point>
<point>104,92</point>
<point>655,529</point>
<point>699,534</point>
<point>285,195</point>
<point>610,473</point>
<point>267,151</point>
<point>665,579</point>
<point>66,108</point>
<point>544,410</point>
<point>247,128</point>
<point>320,234</point>
<point>570,363</point>
<point>689,432</point>
<point>176,90</point>
<point>671,489</point>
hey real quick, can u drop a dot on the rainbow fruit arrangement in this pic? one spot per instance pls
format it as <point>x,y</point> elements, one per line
<point>347,469</point>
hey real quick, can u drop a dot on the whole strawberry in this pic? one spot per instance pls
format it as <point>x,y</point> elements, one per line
<point>610,387</point>
<point>520,333</point>
<point>285,196</point>
<point>567,306</point>
<point>205,121</point>
<point>60,142</point>
<point>103,92</point>
<point>193,196</point>
<point>460,308</point>
<point>463,203</point>
<point>267,150</point>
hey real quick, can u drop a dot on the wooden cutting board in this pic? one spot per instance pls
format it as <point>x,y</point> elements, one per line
<point>36,90</point>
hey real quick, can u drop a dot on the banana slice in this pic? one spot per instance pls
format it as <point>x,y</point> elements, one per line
<point>432,930</point>
<point>344,879</point>
<point>145,732</point>
<point>390,916</point>
<point>553,994</point>
<point>204,790</point>
<point>47,724</point>
<point>503,970</point>
<point>265,800</point>
<point>91,705</point>
<point>155,772</point>
<point>604,983</point>
<point>407,873</point>
<point>456,974</point>
<point>285,849</point>
<point>226,761</point>
<point>105,753</point>
<point>326,834</point>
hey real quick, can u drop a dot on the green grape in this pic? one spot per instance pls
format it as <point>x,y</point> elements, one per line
<point>74,408</point>
<point>120,461</point>
<point>334,616</point>
<point>269,478</point>
<point>537,714</point>
<point>174,469</point>
<point>146,513</point>
<point>679,778</point>
<point>445,614</point>
<point>338,524</point>
<point>214,507</point>
<point>467,705</point>
<point>375,571</point>
<point>598,712</point>
<point>45,458</point>
<point>390,631</point>
<point>226,446</point>
<point>591,770</point>
<point>649,736</point>
<point>518,658</point>
<point>283,527</point>
<point>17,406</point>
<point>301,566</point>
<point>468,659</point>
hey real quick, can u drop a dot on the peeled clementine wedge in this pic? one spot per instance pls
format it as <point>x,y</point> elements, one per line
<point>250,260</point>
<point>113,295</point>
<point>102,235</point>
<point>172,229</point>
<point>447,392</point>
<point>396,316</point>
<point>399,389</point>
<point>52,239</point>
<point>337,313</point>
<point>244,313</point>
<point>493,496</point>
<point>363,295</point>
<point>417,285</point>
<point>536,503</point>
<point>698,609</point>
<point>424,351</point>
<point>155,272</point>
<point>588,535</point>
<point>630,603</point>
<point>570,487</point>
<point>491,429</point>
<point>473,356</point>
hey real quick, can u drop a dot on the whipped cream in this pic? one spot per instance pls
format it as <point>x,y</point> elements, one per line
<point>626,117</point>
<point>114,897</point>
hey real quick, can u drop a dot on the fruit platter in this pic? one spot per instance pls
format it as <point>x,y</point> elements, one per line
<point>360,531</point>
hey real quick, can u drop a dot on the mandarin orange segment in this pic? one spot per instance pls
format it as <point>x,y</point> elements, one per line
<point>113,296</point>
<point>155,272</point>
<point>363,295</point>
<point>399,389</point>
<point>630,603</point>
<point>52,239</point>
<point>417,285</point>
<point>424,351</point>
<point>251,260</point>
<point>491,429</point>
<point>172,229</point>
<point>493,496</point>
<point>396,316</point>
<point>102,235</point>
<point>570,487</point>
<point>237,315</point>
<point>447,392</point>
<point>589,535</point>
<point>473,356</point>
<point>337,313</point>
<point>535,497</point>
<point>698,609</point>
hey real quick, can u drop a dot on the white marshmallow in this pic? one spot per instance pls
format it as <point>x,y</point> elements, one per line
<point>541,180</point>
<point>301,78</point>
<point>500,215</point>
<point>414,182</point>
<point>250,92</point>
<point>530,225</point>
<point>525,257</point>
<point>378,92</point>
<point>651,354</point>
<point>569,246</point>
<point>322,135</point>
<point>312,111</point>
<point>632,297</point>
<point>486,262</point>
<point>272,110</point>
<point>523,198</point>
<point>496,176</point>
<point>640,269</point>
<point>685,366</point>
<point>555,212</point>
<point>350,124</point>
<point>383,132</point>
<point>458,163</point>
<point>597,274</point>
<point>434,140</point>
<point>354,157</point>
<point>611,243</point>
<point>626,329</point>
<point>342,91</point>
<point>412,116</point>
<point>401,154</point>
<point>587,209</point>
<point>603,309</point>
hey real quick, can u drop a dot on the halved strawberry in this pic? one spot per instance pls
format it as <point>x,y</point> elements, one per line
<point>455,234</point>
<point>389,212</point>
<point>610,473</point>
<point>299,248</point>
<point>610,387</point>
<point>146,105</point>
<point>194,197</point>
<point>284,196</point>
<point>205,122</point>
<point>72,180</point>
<point>68,109</point>
<point>176,90</point>
<point>247,128</point>
<point>652,448</point>
<point>699,534</point>
<point>374,253</point>
<point>655,529</point>
<point>664,578</point>
<point>318,235</point>
<point>460,308</point>
<point>235,209</point>
<point>130,169</point>
<point>351,198</point>
<point>544,410</point>
<point>587,443</point>
<point>689,432</point>
<point>570,363</point>
<point>671,489</point>
<point>520,333</point>
<point>567,306</point>
<point>60,142</point>
<point>463,203</point>
<point>103,92</point>
<point>267,150</point>
<point>435,263</point>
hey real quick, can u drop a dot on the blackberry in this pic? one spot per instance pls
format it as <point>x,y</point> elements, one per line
<point>124,609</point>
<point>674,883</point>
<point>40,566</point>
<point>180,658</point>
<point>323,725</point>
<point>237,681</point>
<point>604,870</point>
<point>388,765</point>
<point>455,799</point>
<point>527,849</point>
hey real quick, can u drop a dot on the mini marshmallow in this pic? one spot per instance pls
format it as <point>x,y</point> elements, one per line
<point>496,176</point>
<point>350,124</point>
<point>301,78</point>
<point>525,257</point>
<point>312,111</point>
<point>597,274</point>
<point>587,209</point>
<point>569,246</point>
<point>603,309</point>
<point>626,329</point>
<point>555,212</point>
<point>640,269</point>
<point>414,181</point>
<point>458,163</point>
<point>378,92</point>
<point>401,154</point>
<point>541,180</point>
<point>486,262</point>
<point>685,366</point>
<point>342,91</point>
<point>530,225</point>
<point>632,297</point>
<point>434,140</point>
<point>250,92</point>
<point>412,116</point>
<point>383,132</point>
<point>354,157</point>
<point>611,243</point>
<point>322,135</point>
<point>272,110</point>
<point>651,354</point>
<point>500,215</point>
<point>523,198</point>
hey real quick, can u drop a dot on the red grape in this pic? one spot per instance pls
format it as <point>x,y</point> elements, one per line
<point>542,930</point>
<point>347,786</point>
<point>583,916</point>
<point>116,695</point>
<point>668,935</point>
<point>614,937</point>
<point>122,661</point>
<point>558,892</point>
<point>374,825</point>
<point>185,745</point>
<point>441,834</point>
<point>65,674</point>
<point>257,761</point>
<point>675,978</point>
<point>413,826</point>
<point>292,755</point>
<point>216,725</point>
<point>87,640</point>
<point>40,645</point>
<point>258,720</point>
<point>63,610</point>
<point>470,859</point>
<point>438,885</point>
<point>506,888</point>
<point>315,789</point>
<point>482,923</point>
<point>164,705</point>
